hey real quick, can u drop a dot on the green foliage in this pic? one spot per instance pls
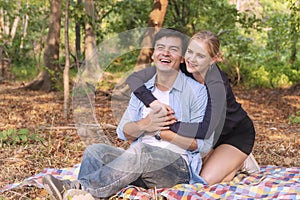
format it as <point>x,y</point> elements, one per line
<point>295,119</point>
<point>124,63</point>
<point>261,40</point>
<point>215,15</point>
<point>259,77</point>
<point>13,137</point>
<point>24,72</point>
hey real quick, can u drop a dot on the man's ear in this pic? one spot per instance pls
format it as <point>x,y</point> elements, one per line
<point>152,57</point>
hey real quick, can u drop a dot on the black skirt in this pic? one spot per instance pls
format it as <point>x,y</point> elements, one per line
<point>241,137</point>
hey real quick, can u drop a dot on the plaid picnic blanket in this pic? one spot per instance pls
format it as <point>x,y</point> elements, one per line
<point>272,182</point>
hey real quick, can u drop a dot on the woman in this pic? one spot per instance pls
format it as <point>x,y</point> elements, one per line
<point>225,119</point>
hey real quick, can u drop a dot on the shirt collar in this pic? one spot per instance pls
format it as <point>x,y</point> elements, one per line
<point>178,84</point>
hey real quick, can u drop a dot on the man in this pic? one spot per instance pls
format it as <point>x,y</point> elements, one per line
<point>156,158</point>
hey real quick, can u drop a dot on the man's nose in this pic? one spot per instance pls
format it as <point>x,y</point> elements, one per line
<point>166,52</point>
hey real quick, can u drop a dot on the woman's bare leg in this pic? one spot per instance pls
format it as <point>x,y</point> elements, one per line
<point>222,164</point>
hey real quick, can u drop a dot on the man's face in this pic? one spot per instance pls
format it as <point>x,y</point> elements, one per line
<point>167,53</point>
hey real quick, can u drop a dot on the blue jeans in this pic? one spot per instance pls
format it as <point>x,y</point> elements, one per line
<point>106,169</point>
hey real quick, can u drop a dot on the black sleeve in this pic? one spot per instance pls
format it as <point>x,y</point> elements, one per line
<point>145,95</point>
<point>137,79</point>
<point>136,83</point>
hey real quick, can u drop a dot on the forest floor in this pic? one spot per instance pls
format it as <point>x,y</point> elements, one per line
<point>277,141</point>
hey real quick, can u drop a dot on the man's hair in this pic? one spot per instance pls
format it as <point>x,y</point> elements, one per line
<point>171,32</point>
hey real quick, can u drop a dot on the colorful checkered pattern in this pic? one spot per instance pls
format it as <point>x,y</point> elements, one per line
<point>271,182</point>
<point>36,180</point>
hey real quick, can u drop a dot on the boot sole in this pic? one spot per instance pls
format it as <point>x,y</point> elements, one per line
<point>51,188</point>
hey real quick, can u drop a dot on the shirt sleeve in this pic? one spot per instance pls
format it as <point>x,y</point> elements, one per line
<point>132,113</point>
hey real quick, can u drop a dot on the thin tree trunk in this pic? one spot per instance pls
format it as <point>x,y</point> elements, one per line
<point>67,64</point>
<point>25,25</point>
<point>1,23</point>
<point>78,40</point>
<point>6,23</point>
<point>15,23</point>
<point>295,29</point>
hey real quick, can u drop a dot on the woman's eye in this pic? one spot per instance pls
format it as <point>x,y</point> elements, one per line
<point>189,51</point>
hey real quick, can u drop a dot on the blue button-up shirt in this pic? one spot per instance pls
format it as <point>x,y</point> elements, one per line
<point>188,99</point>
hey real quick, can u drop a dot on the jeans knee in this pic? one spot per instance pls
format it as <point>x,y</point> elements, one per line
<point>94,149</point>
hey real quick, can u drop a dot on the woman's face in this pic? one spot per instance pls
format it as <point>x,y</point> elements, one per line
<point>197,58</point>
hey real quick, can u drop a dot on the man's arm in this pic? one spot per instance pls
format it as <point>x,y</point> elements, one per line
<point>133,130</point>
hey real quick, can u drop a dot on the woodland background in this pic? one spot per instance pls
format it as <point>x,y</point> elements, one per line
<point>44,43</point>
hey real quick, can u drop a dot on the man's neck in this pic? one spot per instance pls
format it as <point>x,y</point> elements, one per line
<point>165,80</point>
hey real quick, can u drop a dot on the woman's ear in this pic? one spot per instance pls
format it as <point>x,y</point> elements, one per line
<point>214,59</point>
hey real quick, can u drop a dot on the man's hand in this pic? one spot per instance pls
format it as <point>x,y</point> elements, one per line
<point>158,119</point>
<point>165,108</point>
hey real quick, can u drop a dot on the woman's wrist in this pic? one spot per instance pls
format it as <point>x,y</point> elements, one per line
<point>153,103</point>
<point>167,135</point>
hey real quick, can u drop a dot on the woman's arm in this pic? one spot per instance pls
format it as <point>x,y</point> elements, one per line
<point>136,83</point>
<point>183,142</point>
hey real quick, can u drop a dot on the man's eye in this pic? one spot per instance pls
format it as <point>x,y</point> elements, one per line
<point>174,49</point>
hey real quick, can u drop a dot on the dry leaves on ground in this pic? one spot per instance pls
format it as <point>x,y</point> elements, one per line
<point>277,141</point>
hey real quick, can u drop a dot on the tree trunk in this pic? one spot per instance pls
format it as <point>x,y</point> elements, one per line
<point>15,23</point>
<point>78,41</point>
<point>51,53</point>
<point>155,23</point>
<point>1,23</point>
<point>25,25</point>
<point>67,65</point>
<point>6,23</point>
<point>91,56</point>
<point>295,30</point>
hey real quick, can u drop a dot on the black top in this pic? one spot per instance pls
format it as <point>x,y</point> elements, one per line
<point>217,111</point>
